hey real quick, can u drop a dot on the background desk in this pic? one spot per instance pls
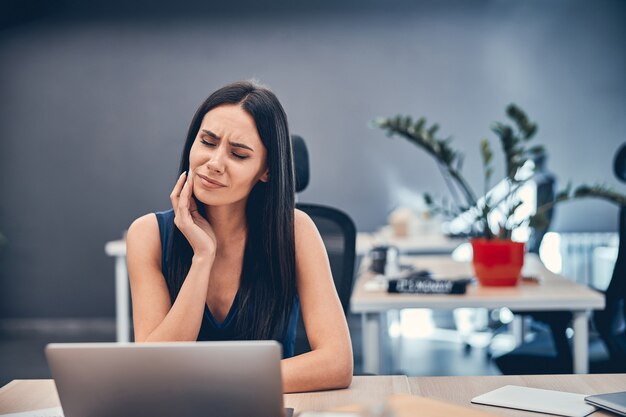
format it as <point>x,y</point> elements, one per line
<point>411,245</point>
<point>24,395</point>
<point>553,293</point>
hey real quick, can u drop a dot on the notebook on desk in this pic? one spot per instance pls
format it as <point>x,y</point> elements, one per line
<point>539,400</point>
<point>168,379</point>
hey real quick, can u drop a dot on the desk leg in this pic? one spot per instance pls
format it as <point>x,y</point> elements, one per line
<point>371,342</point>
<point>519,328</point>
<point>122,321</point>
<point>581,342</point>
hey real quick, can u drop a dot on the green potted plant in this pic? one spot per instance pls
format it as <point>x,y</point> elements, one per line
<point>497,259</point>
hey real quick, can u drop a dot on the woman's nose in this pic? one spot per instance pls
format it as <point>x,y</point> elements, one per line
<point>216,162</point>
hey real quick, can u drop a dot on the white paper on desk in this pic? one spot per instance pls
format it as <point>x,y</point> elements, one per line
<point>535,399</point>
<point>44,412</point>
<point>376,285</point>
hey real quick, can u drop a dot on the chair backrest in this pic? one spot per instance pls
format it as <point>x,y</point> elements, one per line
<point>339,236</point>
<point>611,322</point>
<point>338,233</point>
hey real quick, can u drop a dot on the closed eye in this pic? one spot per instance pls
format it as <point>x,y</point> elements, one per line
<point>213,145</point>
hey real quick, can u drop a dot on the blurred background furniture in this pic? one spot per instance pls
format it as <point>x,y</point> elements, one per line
<point>553,292</point>
<point>410,245</point>
<point>611,322</point>
<point>117,249</point>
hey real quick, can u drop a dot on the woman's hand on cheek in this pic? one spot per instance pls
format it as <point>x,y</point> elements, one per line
<point>189,221</point>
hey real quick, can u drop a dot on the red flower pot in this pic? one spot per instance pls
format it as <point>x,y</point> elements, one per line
<point>497,262</point>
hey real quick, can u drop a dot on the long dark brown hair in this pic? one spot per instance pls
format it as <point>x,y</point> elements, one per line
<point>267,288</point>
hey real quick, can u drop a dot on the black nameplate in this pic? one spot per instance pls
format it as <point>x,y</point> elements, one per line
<point>427,286</point>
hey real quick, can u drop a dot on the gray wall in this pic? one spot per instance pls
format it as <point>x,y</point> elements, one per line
<point>94,106</point>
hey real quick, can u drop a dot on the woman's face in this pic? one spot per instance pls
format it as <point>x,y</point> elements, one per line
<point>227,157</point>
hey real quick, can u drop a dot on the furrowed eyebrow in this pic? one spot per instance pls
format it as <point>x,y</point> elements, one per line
<point>235,144</point>
<point>213,135</point>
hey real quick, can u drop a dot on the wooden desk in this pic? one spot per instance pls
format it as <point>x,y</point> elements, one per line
<point>24,395</point>
<point>460,390</point>
<point>32,394</point>
<point>368,390</point>
<point>554,292</point>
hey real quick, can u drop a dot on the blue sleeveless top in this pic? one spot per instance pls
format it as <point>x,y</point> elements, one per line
<point>210,328</point>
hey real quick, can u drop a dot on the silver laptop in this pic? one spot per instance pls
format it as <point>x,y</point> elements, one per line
<point>615,402</point>
<point>168,379</point>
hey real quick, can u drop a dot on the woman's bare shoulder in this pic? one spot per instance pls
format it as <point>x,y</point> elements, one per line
<point>305,231</point>
<point>144,226</point>
<point>299,215</point>
<point>303,224</point>
<point>143,237</point>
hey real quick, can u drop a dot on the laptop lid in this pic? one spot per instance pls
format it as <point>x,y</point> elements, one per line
<point>615,402</point>
<point>168,379</point>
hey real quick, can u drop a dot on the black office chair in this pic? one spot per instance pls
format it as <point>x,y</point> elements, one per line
<point>338,233</point>
<point>610,322</point>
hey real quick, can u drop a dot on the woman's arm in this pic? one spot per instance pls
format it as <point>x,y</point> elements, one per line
<point>329,364</point>
<point>154,318</point>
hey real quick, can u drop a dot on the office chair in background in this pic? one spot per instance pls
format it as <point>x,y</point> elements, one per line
<point>338,233</point>
<point>609,322</point>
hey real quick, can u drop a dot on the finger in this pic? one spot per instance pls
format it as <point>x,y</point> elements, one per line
<point>174,195</point>
<point>183,201</point>
<point>193,209</point>
<point>193,206</point>
<point>191,202</point>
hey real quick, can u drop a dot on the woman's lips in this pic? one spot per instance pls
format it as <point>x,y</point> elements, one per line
<point>209,183</point>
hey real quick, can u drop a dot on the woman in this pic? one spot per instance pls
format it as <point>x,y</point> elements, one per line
<point>233,259</point>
